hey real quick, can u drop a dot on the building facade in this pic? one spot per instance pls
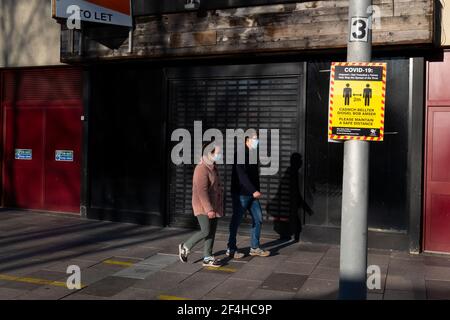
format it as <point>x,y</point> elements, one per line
<point>41,106</point>
<point>262,64</point>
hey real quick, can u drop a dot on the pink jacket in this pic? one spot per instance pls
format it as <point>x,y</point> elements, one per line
<point>207,190</point>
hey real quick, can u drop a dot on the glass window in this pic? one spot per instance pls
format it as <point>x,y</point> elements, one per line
<point>388,159</point>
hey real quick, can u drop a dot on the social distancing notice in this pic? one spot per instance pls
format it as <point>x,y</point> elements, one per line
<point>357,101</point>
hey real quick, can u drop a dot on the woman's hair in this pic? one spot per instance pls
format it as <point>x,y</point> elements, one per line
<point>205,144</point>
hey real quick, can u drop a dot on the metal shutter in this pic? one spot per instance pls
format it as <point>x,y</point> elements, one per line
<point>259,102</point>
<point>42,85</point>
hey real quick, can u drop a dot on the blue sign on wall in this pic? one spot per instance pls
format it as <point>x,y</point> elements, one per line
<point>23,154</point>
<point>64,155</point>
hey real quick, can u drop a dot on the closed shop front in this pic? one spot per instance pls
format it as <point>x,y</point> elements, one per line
<point>243,65</point>
<point>268,96</point>
<point>41,111</point>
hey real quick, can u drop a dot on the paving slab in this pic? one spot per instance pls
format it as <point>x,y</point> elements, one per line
<point>306,257</point>
<point>234,289</point>
<point>160,259</point>
<point>378,259</point>
<point>138,252</point>
<point>255,272</point>
<point>161,280</point>
<point>315,289</point>
<point>196,286</point>
<point>333,252</point>
<point>46,293</point>
<point>139,271</point>
<point>323,273</point>
<point>61,266</point>
<point>10,294</point>
<point>438,290</point>
<point>295,268</point>
<point>405,282</point>
<point>272,260</point>
<point>229,267</point>
<point>263,294</point>
<point>132,293</point>
<point>329,263</point>
<point>314,247</point>
<point>108,286</point>
<point>188,268</point>
<point>284,282</point>
<point>437,273</point>
<point>437,261</point>
<point>406,256</point>
<point>404,295</point>
<point>80,296</point>
<point>374,296</point>
<point>406,266</point>
<point>93,274</point>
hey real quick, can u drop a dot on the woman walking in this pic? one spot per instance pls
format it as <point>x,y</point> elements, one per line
<point>207,203</point>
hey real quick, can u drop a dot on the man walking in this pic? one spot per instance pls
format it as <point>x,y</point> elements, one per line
<point>245,194</point>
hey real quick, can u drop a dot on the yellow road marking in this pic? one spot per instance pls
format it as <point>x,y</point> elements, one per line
<point>166,297</point>
<point>34,281</point>
<point>224,269</point>
<point>119,263</point>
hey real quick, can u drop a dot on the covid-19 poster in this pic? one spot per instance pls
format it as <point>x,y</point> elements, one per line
<point>357,101</point>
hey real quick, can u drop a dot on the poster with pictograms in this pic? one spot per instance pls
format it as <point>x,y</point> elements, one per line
<point>357,101</point>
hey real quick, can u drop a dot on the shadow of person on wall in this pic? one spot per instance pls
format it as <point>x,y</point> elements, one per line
<point>288,223</point>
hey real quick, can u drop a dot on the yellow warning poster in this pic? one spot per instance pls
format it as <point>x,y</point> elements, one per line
<point>357,101</point>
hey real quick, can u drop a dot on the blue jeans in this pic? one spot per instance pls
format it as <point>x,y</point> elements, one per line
<point>240,205</point>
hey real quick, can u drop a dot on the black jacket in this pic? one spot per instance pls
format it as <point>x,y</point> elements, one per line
<point>245,177</point>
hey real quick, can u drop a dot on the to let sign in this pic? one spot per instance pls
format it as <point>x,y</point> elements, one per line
<point>357,101</point>
<point>116,12</point>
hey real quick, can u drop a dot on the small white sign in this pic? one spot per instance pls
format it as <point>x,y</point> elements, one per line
<point>64,155</point>
<point>359,31</point>
<point>23,154</point>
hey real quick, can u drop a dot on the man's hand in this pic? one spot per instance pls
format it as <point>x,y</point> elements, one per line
<point>211,214</point>
<point>257,195</point>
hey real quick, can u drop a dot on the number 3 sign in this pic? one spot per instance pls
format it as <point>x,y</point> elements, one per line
<point>359,31</point>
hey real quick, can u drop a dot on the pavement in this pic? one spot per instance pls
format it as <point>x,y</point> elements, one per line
<point>122,261</point>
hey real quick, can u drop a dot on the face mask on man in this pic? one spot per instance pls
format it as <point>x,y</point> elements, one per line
<point>254,143</point>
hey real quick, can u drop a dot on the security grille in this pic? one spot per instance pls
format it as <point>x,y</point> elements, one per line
<point>260,102</point>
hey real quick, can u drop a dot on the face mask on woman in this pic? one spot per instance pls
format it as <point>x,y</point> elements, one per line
<point>217,157</point>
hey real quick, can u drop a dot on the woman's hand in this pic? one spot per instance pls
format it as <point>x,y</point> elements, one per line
<point>211,214</point>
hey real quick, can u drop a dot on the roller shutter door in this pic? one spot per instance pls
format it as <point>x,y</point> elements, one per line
<point>253,99</point>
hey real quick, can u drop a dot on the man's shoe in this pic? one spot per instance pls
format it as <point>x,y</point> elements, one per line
<point>234,254</point>
<point>259,252</point>
<point>183,252</point>
<point>212,262</point>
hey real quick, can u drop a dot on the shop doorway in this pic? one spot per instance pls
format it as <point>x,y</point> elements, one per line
<point>239,97</point>
<point>437,157</point>
<point>42,139</point>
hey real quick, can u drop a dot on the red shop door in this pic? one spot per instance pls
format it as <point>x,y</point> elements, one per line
<point>437,188</point>
<point>42,139</point>
<point>62,160</point>
<point>42,158</point>
<point>24,171</point>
